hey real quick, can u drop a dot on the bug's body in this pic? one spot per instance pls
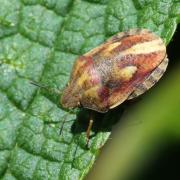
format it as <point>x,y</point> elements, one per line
<point>122,68</point>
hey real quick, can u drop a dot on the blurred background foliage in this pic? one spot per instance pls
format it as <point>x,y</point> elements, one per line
<point>145,144</point>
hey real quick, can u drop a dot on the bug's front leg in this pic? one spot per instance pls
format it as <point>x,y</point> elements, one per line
<point>62,125</point>
<point>89,129</point>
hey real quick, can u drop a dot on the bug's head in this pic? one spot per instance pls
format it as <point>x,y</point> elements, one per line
<point>70,97</point>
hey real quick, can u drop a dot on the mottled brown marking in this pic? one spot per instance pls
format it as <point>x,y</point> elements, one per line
<point>151,80</point>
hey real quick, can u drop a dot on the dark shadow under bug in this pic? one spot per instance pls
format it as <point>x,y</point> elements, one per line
<point>101,122</point>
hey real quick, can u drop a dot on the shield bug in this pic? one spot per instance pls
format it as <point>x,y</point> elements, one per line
<point>122,68</point>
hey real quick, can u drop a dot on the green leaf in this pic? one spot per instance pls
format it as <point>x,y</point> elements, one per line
<point>39,41</point>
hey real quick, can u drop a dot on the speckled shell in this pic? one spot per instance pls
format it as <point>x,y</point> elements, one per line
<point>122,68</point>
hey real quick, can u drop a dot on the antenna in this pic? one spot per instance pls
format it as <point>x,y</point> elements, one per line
<point>51,90</point>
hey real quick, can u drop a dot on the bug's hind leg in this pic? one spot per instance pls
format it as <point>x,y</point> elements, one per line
<point>150,80</point>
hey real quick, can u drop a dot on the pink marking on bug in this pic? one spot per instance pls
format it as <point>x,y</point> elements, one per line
<point>95,78</point>
<point>103,94</point>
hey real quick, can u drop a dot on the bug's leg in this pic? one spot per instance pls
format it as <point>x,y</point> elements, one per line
<point>62,125</point>
<point>64,121</point>
<point>89,130</point>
